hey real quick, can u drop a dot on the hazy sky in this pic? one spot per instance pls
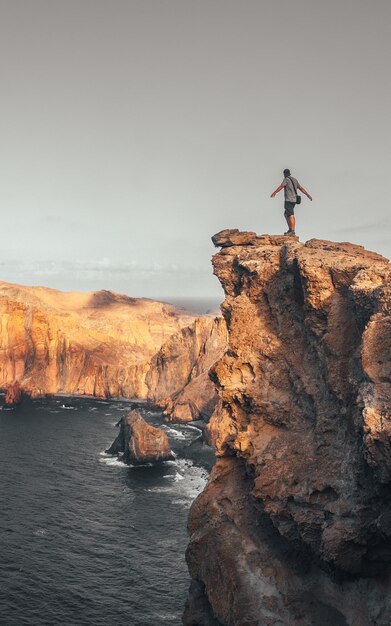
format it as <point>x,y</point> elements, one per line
<point>133,130</point>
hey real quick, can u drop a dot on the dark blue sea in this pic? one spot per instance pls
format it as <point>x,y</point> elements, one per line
<point>84,539</point>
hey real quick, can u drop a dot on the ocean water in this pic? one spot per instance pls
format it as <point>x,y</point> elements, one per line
<point>199,306</point>
<point>84,539</point>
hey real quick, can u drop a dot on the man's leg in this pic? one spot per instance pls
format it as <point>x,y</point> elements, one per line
<point>289,216</point>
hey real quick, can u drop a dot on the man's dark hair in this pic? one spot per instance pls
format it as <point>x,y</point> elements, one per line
<point>287,172</point>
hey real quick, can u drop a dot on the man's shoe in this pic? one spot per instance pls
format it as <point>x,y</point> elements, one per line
<point>290,232</point>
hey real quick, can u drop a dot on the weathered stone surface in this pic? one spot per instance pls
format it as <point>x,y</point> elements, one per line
<point>13,395</point>
<point>198,610</point>
<point>178,377</point>
<point>96,344</point>
<point>294,526</point>
<point>233,237</point>
<point>141,442</point>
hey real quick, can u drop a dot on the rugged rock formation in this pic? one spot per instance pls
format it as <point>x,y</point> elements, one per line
<point>108,345</point>
<point>179,371</point>
<point>81,343</point>
<point>13,395</point>
<point>294,526</point>
<point>140,442</point>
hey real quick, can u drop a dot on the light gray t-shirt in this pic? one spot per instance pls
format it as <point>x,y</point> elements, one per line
<point>289,191</point>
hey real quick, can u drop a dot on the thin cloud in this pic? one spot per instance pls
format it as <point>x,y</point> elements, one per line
<point>101,268</point>
<point>369,227</point>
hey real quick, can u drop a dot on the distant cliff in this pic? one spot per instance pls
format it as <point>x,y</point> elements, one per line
<point>294,526</point>
<point>178,377</point>
<point>105,345</point>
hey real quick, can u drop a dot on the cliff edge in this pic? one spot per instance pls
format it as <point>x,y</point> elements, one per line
<point>294,526</point>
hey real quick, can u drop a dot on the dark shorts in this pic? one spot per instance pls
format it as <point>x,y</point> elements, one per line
<point>289,208</point>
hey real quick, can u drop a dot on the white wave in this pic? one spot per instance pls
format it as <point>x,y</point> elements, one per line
<point>157,618</point>
<point>191,482</point>
<point>185,484</point>
<point>186,502</point>
<point>112,461</point>
<point>68,407</point>
<point>190,427</point>
<point>40,532</point>
<point>187,465</point>
<point>178,434</point>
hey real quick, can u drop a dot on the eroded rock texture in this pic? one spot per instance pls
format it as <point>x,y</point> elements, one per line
<point>294,526</point>
<point>13,395</point>
<point>179,374</point>
<point>108,345</point>
<point>141,442</point>
<point>81,343</point>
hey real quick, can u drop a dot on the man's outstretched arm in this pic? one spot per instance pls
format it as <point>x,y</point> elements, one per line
<point>305,192</point>
<point>277,190</point>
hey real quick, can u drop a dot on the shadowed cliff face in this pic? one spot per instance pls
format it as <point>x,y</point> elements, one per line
<point>294,526</point>
<point>179,372</point>
<point>106,345</point>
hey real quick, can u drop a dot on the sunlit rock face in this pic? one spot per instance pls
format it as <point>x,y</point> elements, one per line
<point>294,526</point>
<point>105,344</point>
<point>13,395</point>
<point>140,442</point>
<point>96,344</point>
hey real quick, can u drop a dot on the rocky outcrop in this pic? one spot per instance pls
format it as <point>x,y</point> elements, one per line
<point>108,345</point>
<point>140,442</point>
<point>294,526</point>
<point>178,377</point>
<point>13,395</point>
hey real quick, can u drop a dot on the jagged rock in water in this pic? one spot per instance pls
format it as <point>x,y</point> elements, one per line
<point>141,442</point>
<point>294,526</point>
<point>13,395</point>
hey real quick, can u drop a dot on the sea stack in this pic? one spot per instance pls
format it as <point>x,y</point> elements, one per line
<point>140,442</point>
<point>294,525</point>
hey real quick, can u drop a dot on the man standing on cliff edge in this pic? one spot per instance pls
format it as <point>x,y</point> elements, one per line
<point>290,186</point>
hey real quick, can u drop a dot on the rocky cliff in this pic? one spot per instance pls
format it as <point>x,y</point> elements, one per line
<point>106,345</point>
<point>294,526</point>
<point>179,374</point>
<point>140,442</point>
